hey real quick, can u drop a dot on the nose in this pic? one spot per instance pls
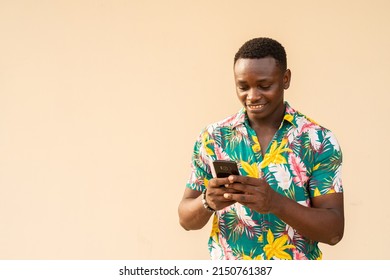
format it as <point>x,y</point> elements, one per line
<point>254,95</point>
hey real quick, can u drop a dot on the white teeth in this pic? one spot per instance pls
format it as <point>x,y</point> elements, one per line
<point>255,106</point>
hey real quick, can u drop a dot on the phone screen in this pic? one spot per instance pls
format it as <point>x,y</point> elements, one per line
<point>224,168</point>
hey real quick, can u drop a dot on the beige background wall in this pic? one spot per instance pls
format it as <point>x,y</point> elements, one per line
<point>101,101</point>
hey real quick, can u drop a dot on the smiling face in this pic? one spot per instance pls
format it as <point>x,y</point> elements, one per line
<point>260,85</point>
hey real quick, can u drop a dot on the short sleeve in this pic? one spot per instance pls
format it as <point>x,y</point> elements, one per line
<point>200,169</point>
<point>326,173</point>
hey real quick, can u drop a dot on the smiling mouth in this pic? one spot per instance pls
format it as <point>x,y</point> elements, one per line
<point>255,106</point>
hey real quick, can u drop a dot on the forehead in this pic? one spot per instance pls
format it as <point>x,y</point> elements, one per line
<point>260,67</point>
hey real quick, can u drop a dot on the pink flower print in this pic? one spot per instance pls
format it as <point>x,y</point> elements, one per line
<point>299,170</point>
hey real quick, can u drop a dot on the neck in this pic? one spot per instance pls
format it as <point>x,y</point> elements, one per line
<point>272,122</point>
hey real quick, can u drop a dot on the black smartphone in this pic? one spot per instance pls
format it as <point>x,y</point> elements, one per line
<point>224,168</point>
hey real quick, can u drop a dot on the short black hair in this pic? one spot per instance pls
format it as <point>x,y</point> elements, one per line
<point>263,47</point>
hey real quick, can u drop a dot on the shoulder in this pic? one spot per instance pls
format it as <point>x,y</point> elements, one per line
<point>228,122</point>
<point>304,123</point>
<point>318,135</point>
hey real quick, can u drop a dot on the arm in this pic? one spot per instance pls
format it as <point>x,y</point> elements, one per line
<point>323,222</point>
<point>192,214</point>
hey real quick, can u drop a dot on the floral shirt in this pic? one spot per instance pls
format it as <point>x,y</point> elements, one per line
<point>302,161</point>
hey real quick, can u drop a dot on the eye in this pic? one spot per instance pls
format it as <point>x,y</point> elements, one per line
<point>242,88</point>
<point>264,87</point>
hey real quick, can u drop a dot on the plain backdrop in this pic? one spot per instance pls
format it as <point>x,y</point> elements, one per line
<point>101,102</point>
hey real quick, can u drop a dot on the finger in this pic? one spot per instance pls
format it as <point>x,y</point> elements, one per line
<point>239,187</point>
<point>218,182</point>
<point>243,179</point>
<point>219,202</point>
<point>241,198</point>
<point>231,190</point>
<point>246,180</point>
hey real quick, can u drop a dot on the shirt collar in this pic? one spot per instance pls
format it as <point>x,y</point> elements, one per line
<point>289,116</point>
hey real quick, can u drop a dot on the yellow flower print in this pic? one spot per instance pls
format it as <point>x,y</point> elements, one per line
<point>260,239</point>
<point>215,227</point>
<point>206,141</point>
<point>251,169</point>
<point>274,155</point>
<point>289,117</point>
<point>316,167</point>
<point>250,258</point>
<point>256,146</point>
<point>276,247</point>
<point>317,192</point>
<point>206,182</point>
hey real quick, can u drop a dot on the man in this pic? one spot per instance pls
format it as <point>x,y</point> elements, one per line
<point>288,196</point>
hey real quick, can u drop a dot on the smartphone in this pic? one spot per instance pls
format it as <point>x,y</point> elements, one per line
<point>224,168</point>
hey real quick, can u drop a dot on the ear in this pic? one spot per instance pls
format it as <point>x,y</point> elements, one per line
<point>287,79</point>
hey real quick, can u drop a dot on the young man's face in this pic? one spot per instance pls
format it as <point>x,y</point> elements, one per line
<point>260,85</point>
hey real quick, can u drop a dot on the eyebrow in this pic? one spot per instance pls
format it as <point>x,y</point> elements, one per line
<point>257,81</point>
